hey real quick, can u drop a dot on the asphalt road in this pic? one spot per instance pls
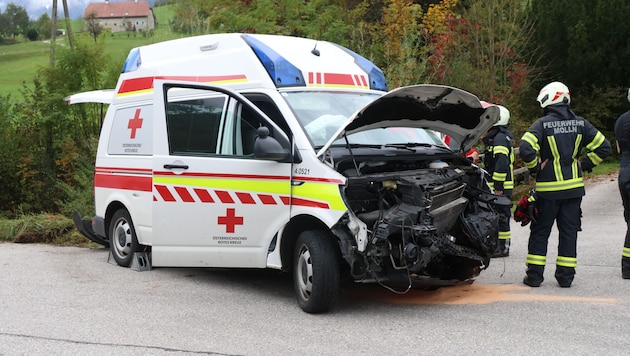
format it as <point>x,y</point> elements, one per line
<point>70,301</point>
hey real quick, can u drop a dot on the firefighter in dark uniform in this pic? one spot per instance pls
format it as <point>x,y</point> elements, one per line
<point>622,133</point>
<point>558,138</point>
<point>499,162</point>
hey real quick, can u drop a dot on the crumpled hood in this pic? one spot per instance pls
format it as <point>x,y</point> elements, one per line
<point>449,110</point>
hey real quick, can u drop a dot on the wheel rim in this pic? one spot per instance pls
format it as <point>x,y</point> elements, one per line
<point>122,238</point>
<point>304,273</point>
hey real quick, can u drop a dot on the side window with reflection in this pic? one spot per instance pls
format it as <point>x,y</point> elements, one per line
<point>240,132</point>
<point>194,126</point>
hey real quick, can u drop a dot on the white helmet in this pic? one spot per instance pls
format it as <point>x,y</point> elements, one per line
<point>553,93</point>
<point>504,116</point>
<point>628,94</point>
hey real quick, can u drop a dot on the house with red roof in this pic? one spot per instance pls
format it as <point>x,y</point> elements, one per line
<point>135,15</point>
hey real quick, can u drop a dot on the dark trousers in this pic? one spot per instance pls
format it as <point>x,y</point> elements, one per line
<point>624,189</point>
<point>504,227</point>
<point>566,213</point>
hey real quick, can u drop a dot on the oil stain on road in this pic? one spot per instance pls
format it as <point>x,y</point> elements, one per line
<point>466,294</point>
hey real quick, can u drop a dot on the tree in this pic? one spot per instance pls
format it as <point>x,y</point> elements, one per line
<point>585,42</point>
<point>42,25</point>
<point>17,20</point>
<point>92,25</point>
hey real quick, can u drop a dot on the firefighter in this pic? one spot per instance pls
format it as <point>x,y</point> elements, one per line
<point>622,133</point>
<point>499,162</point>
<point>558,138</point>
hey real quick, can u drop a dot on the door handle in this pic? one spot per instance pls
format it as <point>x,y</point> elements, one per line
<point>176,166</point>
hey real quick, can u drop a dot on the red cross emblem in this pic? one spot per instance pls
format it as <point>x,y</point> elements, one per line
<point>135,123</point>
<point>230,220</point>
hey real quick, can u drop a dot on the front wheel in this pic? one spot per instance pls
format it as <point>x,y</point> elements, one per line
<point>122,238</point>
<point>316,271</point>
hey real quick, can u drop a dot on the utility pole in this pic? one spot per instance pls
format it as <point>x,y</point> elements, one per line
<point>68,26</point>
<point>53,30</point>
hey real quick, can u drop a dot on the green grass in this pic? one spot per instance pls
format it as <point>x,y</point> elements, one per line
<point>42,228</point>
<point>20,62</point>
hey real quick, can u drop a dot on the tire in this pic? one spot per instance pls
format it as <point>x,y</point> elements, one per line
<point>123,242</point>
<point>316,271</point>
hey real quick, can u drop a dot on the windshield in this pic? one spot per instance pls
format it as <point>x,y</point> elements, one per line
<point>322,113</point>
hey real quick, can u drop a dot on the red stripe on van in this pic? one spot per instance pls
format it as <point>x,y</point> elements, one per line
<point>164,193</point>
<point>204,195</point>
<point>340,79</point>
<point>126,182</point>
<point>224,197</point>
<point>136,84</point>
<point>245,198</point>
<point>267,199</point>
<point>184,194</point>
<point>304,202</point>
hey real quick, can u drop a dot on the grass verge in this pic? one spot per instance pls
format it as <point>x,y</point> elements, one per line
<point>43,228</point>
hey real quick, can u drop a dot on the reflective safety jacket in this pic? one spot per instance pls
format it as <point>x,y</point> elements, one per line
<point>498,159</point>
<point>559,138</point>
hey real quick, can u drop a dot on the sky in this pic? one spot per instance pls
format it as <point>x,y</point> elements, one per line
<point>35,8</point>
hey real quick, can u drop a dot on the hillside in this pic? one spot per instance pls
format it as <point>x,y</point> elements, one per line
<point>21,61</point>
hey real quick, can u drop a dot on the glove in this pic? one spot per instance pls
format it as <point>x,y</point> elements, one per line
<point>526,209</point>
<point>532,212</point>
<point>587,165</point>
<point>520,213</point>
<point>534,170</point>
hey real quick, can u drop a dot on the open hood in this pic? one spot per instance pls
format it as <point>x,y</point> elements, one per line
<point>449,110</point>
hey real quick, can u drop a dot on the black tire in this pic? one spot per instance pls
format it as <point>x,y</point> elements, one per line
<point>316,271</point>
<point>122,238</point>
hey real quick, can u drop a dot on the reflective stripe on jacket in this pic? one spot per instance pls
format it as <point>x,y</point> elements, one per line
<point>499,159</point>
<point>558,139</point>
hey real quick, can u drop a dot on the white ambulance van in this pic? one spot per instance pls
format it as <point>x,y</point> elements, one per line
<point>263,151</point>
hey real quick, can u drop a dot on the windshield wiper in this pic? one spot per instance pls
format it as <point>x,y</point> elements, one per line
<point>409,145</point>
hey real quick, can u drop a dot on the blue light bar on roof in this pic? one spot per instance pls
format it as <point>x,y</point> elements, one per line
<point>133,61</point>
<point>281,71</point>
<point>377,78</point>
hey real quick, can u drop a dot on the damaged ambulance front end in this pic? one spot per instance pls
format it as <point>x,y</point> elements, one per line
<point>419,214</point>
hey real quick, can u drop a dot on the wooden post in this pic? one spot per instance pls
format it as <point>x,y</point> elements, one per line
<point>68,26</point>
<point>53,32</point>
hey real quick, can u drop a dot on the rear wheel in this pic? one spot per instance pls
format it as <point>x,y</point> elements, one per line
<point>122,238</point>
<point>316,271</point>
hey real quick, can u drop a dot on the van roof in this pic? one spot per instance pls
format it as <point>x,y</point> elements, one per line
<point>249,60</point>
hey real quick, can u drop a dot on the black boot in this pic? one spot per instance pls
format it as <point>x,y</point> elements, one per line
<point>534,277</point>
<point>625,267</point>
<point>564,276</point>
<point>503,250</point>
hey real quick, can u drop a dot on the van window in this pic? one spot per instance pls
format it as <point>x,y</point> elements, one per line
<point>218,125</point>
<point>194,125</point>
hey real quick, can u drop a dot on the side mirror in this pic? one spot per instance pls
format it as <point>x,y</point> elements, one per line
<point>268,148</point>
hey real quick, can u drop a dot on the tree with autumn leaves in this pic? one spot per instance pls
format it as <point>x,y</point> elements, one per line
<point>503,51</point>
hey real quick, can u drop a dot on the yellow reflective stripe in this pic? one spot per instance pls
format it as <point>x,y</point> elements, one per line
<point>576,147</point>
<point>499,176</point>
<point>328,192</point>
<point>597,141</point>
<point>532,140</point>
<point>252,185</point>
<point>566,261</point>
<point>536,260</point>
<point>501,150</point>
<point>508,184</point>
<point>555,186</point>
<point>532,163</point>
<point>504,235</point>
<point>626,252</point>
<point>595,158</point>
<point>557,168</point>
